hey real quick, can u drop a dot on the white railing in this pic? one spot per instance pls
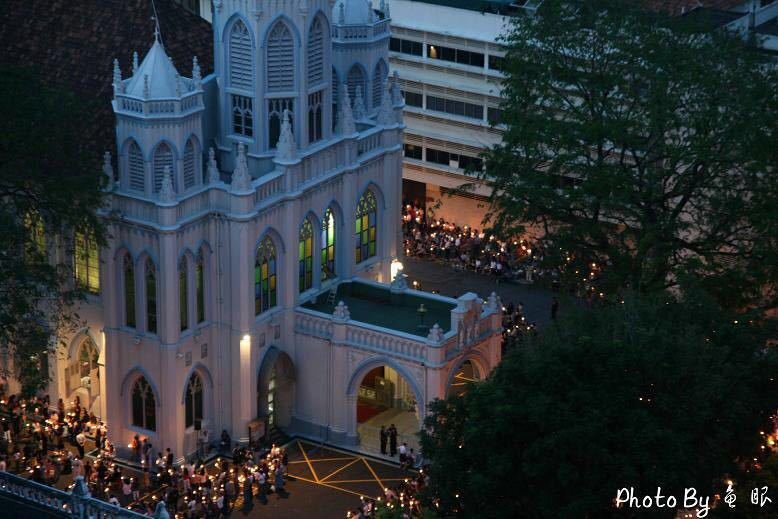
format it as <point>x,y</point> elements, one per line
<point>308,323</point>
<point>360,336</point>
<point>369,141</point>
<point>60,502</point>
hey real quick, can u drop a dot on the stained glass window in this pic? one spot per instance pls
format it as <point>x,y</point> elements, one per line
<point>265,277</point>
<point>305,256</point>
<point>328,245</point>
<point>366,227</point>
<point>143,405</point>
<point>87,263</point>
<point>151,297</point>
<point>129,292</point>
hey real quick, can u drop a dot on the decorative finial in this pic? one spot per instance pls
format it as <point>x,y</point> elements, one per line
<point>166,191</point>
<point>341,312</point>
<point>117,77</point>
<point>370,11</point>
<point>386,11</point>
<point>178,84</point>
<point>146,89</point>
<point>108,170</point>
<point>196,74</point>
<point>342,14</point>
<point>286,149</point>
<point>436,333</point>
<point>346,124</point>
<point>156,29</point>
<point>213,169</point>
<point>241,180</point>
<point>400,281</point>
<point>397,96</point>
<point>134,62</point>
<point>359,104</point>
<point>386,112</point>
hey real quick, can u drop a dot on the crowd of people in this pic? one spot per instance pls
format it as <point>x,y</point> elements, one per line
<point>402,497</point>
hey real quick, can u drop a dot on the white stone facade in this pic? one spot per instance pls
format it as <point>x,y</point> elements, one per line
<point>193,230</point>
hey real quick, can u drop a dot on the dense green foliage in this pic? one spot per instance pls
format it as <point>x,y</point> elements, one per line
<point>49,184</point>
<point>652,392</point>
<point>643,143</point>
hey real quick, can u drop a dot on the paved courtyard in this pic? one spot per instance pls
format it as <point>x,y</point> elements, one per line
<point>434,275</point>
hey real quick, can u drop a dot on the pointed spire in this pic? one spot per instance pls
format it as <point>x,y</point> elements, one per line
<point>117,77</point>
<point>241,179</point>
<point>146,90</point>
<point>286,149</point>
<point>397,96</point>
<point>359,104</point>
<point>197,75</point>
<point>166,192</point>
<point>370,11</point>
<point>385,111</point>
<point>386,11</point>
<point>345,117</point>
<point>213,169</point>
<point>342,14</point>
<point>134,62</point>
<point>108,170</point>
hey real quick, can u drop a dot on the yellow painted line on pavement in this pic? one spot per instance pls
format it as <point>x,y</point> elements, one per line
<point>309,461</point>
<point>341,468</point>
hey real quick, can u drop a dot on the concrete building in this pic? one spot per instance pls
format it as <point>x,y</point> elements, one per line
<point>254,230</point>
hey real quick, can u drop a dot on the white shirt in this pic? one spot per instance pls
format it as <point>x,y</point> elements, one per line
<point>402,449</point>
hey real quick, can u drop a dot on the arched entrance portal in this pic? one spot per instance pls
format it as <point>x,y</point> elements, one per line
<point>83,375</point>
<point>464,376</point>
<point>275,389</point>
<point>385,398</point>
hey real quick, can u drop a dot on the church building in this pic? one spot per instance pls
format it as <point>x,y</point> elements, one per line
<point>251,280</point>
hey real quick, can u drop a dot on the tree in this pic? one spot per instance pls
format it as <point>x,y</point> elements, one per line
<point>654,392</point>
<point>643,143</point>
<point>50,187</point>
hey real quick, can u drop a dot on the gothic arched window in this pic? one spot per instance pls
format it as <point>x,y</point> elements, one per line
<point>280,59</point>
<point>275,114</point>
<point>151,297</point>
<point>305,256</point>
<point>315,116</point>
<point>379,76</point>
<point>193,401</point>
<point>241,65</point>
<point>183,294</point>
<point>200,288</point>
<point>144,404</point>
<point>86,263</point>
<point>356,78</point>
<point>129,291</point>
<point>190,165</point>
<point>137,175</point>
<point>163,156</point>
<point>328,245</point>
<point>366,227</point>
<point>87,358</point>
<point>265,277</point>
<point>316,53</point>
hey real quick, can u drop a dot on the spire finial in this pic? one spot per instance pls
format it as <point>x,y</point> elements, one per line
<point>108,170</point>
<point>241,179</point>
<point>286,149</point>
<point>197,75</point>
<point>178,84</point>
<point>345,117</point>
<point>166,191</point>
<point>397,96</point>
<point>134,62</point>
<point>342,14</point>
<point>146,89</point>
<point>213,169</point>
<point>117,77</point>
<point>359,104</point>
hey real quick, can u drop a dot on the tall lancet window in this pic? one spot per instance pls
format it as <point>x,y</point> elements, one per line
<point>190,165</point>
<point>137,175</point>
<point>379,76</point>
<point>163,156</point>
<point>305,256</point>
<point>366,227</point>
<point>151,297</point>
<point>129,292</point>
<point>265,277</point>
<point>183,294</point>
<point>144,405</point>
<point>280,59</point>
<point>194,400</point>
<point>356,78</point>
<point>328,245</point>
<point>240,62</point>
<point>316,53</point>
